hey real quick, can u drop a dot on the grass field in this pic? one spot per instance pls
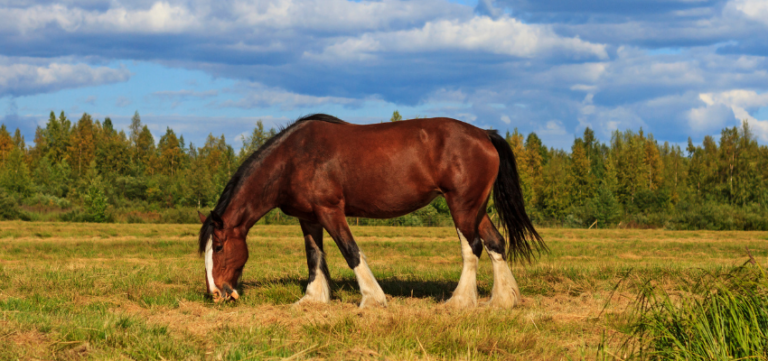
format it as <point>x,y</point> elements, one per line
<point>120,291</point>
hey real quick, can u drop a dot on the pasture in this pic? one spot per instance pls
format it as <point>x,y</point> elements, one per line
<point>123,291</point>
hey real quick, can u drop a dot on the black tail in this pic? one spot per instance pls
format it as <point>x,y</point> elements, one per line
<point>524,241</point>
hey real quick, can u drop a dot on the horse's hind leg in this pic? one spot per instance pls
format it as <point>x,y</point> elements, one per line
<point>335,223</point>
<point>505,292</point>
<point>465,217</point>
<point>318,289</point>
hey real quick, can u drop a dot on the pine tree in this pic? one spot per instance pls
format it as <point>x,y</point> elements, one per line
<point>395,117</point>
<point>554,200</point>
<point>53,140</point>
<point>516,142</point>
<point>746,188</point>
<point>257,138</point>
<point>82,146</point>
<point>6,144</point>
<point>654,166</point>
<point>533,165</point>
<point>581,182</point>
<point>170,153</point>
<point>108,127</point>
<point>18,141</point>
<point>15,174</point>
<point>113,152</point>
<point>135,129</point>
<point>729,152</point>
<point>145,150</point>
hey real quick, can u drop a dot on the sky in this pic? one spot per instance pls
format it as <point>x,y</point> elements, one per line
<point>675,68</point>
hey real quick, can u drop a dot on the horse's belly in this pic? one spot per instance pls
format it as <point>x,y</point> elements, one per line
<point>393,202</point>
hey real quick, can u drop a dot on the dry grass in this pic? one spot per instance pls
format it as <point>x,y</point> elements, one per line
<point>85,291</point>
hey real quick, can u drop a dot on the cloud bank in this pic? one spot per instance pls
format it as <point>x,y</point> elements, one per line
<point>674,67</point>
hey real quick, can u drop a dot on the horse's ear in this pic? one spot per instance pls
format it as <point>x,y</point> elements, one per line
<point>202,216</point>
<point>217,221</point>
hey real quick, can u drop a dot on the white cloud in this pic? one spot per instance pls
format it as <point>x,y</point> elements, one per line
<point>730,108</point>
<point>123,101</point>
<point>504,36</point>
<point>185,94</point>
<point>753,9</point>
<point>554,134</point>
<point>260,96</point>
<point>604,120</point>
<point>245,17</point>
<point>161,17</point>
<point>19,78</point>
<point>709,118</point>
<point>340,15</point>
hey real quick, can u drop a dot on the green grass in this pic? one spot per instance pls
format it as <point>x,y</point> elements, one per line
<point>723,316</point>
<point>111,291</point>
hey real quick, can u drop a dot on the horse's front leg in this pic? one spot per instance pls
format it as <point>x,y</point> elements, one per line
<point>318,289</point>
<point>335,223</point>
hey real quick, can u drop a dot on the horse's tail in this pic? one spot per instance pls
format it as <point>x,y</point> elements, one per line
<point>523,240</point>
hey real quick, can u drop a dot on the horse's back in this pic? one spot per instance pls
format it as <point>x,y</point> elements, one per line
<point>399,166</point>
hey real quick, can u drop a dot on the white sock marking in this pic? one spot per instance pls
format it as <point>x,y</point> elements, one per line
<point>466,292</point>
<point>368,285</point>
<point>318,290</point>
<point>505,290</point>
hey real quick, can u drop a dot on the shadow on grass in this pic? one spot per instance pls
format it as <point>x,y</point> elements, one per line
<point>436,290</point>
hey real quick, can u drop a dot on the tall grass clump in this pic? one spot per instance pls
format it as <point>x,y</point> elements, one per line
<point>722,317</point>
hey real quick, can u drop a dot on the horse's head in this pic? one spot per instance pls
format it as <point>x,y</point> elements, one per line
<point>225,255</point>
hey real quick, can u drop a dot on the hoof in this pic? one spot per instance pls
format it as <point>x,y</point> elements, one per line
<point>308,299</point>
<point>374,301</point>
<point>461,302</point>
<point>505,302</point>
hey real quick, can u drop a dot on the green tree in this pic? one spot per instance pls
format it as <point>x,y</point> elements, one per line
<point>654,167</point>
<point>171,154</point>
<point>18,140</point>
<point>145,151</point>
<point>53,141</point>
<point>607,210</point>
<point>254,141</point>
<point>95,202</point>
<point>15,174</point>
<point>532,165</point>
<point>135,129</point>
<point>395,117</point>
<point>6,144</point>
<point>9,208</point>
<point>580,174</point>
<point>554,200</point>
<point>82,146</point>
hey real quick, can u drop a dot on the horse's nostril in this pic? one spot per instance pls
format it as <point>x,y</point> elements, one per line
<point>227,289</point>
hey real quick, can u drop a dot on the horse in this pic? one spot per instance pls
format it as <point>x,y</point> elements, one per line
<point>321,169</point>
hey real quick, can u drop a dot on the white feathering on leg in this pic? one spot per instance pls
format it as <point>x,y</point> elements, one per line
<point>368,286</point>
<point>505,293</point>
<point>465,294</point>
<point>318,290</point>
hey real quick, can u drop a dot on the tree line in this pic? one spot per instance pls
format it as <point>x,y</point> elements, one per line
<point>86,170</point>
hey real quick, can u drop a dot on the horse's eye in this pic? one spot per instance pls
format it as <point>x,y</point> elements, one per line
<point>217,247</point>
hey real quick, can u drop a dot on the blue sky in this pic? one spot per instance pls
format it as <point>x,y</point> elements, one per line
<point>676,68</point>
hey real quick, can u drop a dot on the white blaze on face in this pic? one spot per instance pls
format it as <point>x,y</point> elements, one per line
<point>209,266</point>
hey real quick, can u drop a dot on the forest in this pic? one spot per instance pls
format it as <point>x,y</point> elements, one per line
<point>88,171</point>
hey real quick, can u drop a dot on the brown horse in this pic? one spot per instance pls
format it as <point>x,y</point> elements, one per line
<point>321,169</point>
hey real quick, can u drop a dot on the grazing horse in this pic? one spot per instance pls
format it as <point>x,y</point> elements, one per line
<point>321,169</point>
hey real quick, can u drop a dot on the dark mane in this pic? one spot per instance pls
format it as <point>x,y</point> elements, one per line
<point>244,171</point>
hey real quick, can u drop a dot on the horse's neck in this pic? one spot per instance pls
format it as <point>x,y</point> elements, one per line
<point>256,196</point>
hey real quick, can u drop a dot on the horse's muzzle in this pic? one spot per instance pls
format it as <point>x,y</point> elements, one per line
<point>227,294</point>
